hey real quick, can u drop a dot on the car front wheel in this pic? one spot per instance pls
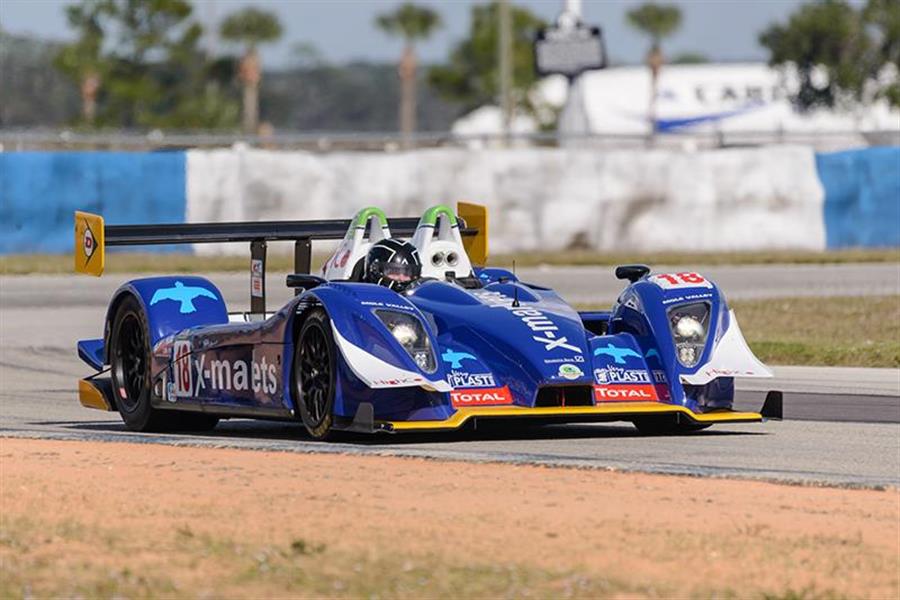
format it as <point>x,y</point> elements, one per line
<point>314,374</point>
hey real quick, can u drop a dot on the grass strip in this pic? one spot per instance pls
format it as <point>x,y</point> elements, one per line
<point>99,562</point>
<point>130,262</point>
<point>846,331</point>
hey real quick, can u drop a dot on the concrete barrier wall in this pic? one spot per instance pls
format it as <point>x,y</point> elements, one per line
<point>862,197</point>
<point>40,191</point>
<point>538,198</point>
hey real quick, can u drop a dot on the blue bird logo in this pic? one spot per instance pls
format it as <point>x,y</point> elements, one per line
<point>183,294</point>
<point>455,358</point>
<point>618,354</point>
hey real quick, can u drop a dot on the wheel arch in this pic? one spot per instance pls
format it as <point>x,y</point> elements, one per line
<point>307,304</point>
<point>112,310</point>
<point>166,318</point>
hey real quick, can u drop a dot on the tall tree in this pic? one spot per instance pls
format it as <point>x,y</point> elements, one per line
<point>412,23</point>
<point>471,74</point>
<point>882,18</point>
<point>83,59</point>
<point>827,43</point>
<point>153,72</point>
<point>153,38</point>
<point>251,27</point>
<point>657,21</point>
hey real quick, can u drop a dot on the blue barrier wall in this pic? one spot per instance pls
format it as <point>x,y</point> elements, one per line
<point>862,197</point>
<point>40,191</point>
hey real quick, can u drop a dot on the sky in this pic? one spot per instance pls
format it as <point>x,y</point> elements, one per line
<point>343,30</point>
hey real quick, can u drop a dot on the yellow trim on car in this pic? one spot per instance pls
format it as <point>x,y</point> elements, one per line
<point>91,397</point>
<point>622,409</point>
<point>475,216</point>
<point>90,243</point>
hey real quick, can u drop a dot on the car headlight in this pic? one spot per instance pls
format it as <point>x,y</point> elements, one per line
<point>408,330</point>
<point>690,328</point>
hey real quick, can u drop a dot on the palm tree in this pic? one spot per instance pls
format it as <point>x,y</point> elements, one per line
<point>412,23</point>
<point>83,60</point>
<point>657,21</point>
<point>251,27</point>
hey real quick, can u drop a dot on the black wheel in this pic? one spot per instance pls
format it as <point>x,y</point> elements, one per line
<point>129,355</point>
<point>314,374</point>
<point>665,425</point>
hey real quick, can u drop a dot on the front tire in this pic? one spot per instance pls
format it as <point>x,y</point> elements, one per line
<point>314,374</point>
<point>129,356</point>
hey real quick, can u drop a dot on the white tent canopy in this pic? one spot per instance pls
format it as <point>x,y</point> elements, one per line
<point>744,97</point>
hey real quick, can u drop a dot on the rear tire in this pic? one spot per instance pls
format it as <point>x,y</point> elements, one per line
<point>129,357</point>
<point>314,374</point>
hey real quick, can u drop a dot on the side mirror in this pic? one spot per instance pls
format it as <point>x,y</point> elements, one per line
<point>302,281</point>
<point>632,272</point>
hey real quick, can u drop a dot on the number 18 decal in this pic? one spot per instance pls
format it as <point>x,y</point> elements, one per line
<point>181,368</point>
<point>674,281</point>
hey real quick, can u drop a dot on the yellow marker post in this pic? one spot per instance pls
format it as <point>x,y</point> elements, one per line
<point>476,217</point>
<point>89,244</point>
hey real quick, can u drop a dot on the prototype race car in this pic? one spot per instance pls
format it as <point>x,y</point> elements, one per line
<point>459,342</point>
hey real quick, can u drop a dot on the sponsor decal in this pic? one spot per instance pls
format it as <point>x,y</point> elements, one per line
<point>685,298</point>
<point>192,374</point>
<point>400,381</point>
<point>379,304</point>
<point>88,243</point>
<point>183,294</point>
<point>182,374</point>
<point>570,371</point>
<point>661,383</point>
<point>625,393</point>
<point>461,379</point>
<point>341,255</point>
<point>454,359</point>
<point>481,397</point>
<point>675,281</point>
<point>555,361</point>
<point>341,261</point>
<point>536,320</point>
<point>727,372</point>
<point>163,348</point>
<point>619,355</point>
<point>620,375</point>
<point>256,278</point>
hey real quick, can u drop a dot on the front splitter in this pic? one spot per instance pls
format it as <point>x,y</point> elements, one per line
<point>619,411</point>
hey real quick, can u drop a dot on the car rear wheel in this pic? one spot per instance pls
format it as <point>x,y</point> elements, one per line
<point>314,374</point>
<point>129,355</point>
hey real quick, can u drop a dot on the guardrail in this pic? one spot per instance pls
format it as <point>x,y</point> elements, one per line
<point>157,140</point>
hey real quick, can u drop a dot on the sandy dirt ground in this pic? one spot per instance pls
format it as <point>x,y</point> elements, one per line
<point>107,519</point>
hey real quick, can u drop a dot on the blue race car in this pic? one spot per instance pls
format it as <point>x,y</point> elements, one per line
<point>400,334</point>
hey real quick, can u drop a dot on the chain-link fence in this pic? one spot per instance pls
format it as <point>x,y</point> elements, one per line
<point>23,140</point>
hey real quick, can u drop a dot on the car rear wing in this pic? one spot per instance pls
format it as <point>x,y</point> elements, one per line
<point>93,236</point>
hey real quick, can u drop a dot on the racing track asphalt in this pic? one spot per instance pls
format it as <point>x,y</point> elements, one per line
<point>41,317</point>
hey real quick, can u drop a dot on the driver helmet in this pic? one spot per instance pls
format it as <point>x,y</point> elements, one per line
<point>392,263</point>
